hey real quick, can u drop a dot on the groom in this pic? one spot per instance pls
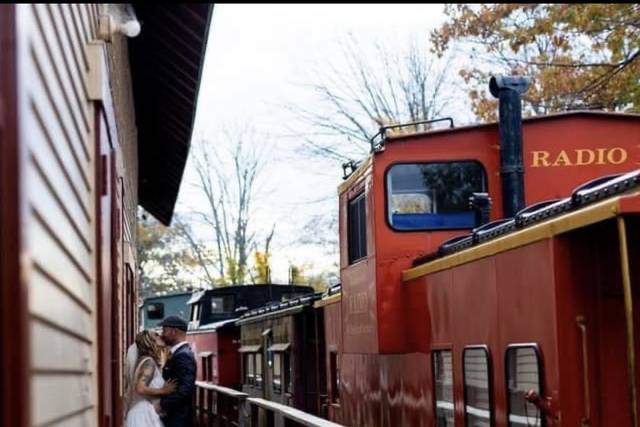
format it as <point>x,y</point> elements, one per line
<point>181,366</point>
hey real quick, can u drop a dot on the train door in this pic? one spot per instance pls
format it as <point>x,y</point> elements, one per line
<point>14,380</point>
<point>600,344</point>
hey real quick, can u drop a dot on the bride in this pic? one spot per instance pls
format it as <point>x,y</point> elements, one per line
<point>146,384</point>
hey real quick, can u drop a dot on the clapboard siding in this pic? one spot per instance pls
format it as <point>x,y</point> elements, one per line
<point>56,350</point>
<point>68,395</point>
<point>58,174</point>
<point>47,56</point>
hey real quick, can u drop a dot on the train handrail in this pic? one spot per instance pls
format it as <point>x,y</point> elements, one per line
<point>292,414</point>
<point>220,406</point>
<point>382,132</point>
<point>220,389</point>
<point>582,325</point>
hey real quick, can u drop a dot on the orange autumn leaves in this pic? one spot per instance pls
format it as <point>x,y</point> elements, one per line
<point>582,56</point>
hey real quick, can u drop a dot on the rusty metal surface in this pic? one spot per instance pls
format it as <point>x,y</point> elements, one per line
<point>166,61</point>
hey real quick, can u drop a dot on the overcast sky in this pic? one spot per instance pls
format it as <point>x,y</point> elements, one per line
<point>256,58</point>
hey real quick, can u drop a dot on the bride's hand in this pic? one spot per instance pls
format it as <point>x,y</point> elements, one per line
<point>170,386</point>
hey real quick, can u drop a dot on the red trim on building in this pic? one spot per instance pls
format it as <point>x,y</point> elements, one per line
<point>14,333</point>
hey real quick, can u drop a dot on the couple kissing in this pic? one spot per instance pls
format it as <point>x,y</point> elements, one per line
<point>161,373</point>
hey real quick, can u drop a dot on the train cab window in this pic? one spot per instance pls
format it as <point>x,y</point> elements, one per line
<point>443,382</point>
<point>258,378</point>
<point>222,304</point>
<point>357,228</point>
<point>155,310</point>
<point>277,372</point>
<point>432,196</point>
<point>523,375</point>
<point>334,366</point>
<point>477,387</point>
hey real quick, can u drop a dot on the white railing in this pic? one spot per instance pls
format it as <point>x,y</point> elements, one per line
<point>223,406</point>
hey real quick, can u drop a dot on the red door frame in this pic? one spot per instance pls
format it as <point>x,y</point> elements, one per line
<point>14,331</point>
<point>103,261</point>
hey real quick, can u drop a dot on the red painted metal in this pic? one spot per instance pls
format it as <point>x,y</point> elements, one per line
<point>104,280</point>
<point>531,294</point>
<point>14,333</point>
<point>223,345</point>
<point>333,344</point>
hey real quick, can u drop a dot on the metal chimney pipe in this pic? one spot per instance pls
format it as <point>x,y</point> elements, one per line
<point>508,89</point>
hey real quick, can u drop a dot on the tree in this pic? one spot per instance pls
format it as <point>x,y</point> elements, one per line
<point>361,92</point>
<point>364,88</point>
<point>230,197</point>
<point>303,275</point>
<point>579,55</point>
<point>262,261</point>
<point>165,262</point>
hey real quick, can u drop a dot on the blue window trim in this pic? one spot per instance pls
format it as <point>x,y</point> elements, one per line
<point>386,192</point>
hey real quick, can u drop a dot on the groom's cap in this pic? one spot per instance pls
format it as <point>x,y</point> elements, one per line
<point>175,322</point>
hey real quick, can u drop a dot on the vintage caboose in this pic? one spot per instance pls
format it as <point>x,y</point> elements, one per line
<point>281,350</point>
<point>92,123</point>
<point>213,333</point>
<point>521,326</point>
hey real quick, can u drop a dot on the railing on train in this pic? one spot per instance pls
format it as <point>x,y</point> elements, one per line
<point>222,406</point>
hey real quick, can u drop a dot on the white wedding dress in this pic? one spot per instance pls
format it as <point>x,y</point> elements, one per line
<point>141,411</point>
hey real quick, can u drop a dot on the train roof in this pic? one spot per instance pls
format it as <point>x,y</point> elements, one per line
<point>330,296</point>
<point>167,296</point>
<point>235,289</point>
<point>215,325</point>
<point>385,137</point>
<point>292,306</point>
<point>590,202</point>
<point>532,119</point>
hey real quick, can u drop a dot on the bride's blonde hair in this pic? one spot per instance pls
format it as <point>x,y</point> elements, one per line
<point>147,346</point>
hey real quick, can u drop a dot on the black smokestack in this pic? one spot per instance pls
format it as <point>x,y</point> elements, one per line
<point>508,90</point>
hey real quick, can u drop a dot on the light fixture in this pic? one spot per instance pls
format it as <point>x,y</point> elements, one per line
<point>118,19</point>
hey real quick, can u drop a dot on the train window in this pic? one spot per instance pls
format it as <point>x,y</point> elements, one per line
<point>523,376</point>
<point>277,372</point>
<point>357,228</point>
<point>207,372</point>
<point>155,310</point>
<point>477,387</point>
<point>195,312</point>
<point>431,196</point>
<point>248,370</point>
<point>286,370</point>
<point>334,364</point>
<point>222,304</point>
<point>443,379</point>
<point>259,370</point>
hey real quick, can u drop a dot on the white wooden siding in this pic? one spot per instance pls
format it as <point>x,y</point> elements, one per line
<point>58,209</point>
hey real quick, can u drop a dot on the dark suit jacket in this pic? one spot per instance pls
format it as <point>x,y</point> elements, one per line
<point>178,406</point>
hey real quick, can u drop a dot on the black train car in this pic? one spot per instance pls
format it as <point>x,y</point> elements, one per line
<point>212,333</point>
<point>280,346</point>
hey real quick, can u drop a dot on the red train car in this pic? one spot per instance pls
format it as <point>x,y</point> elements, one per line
<point>460,337</point>
<point>445,317</point>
